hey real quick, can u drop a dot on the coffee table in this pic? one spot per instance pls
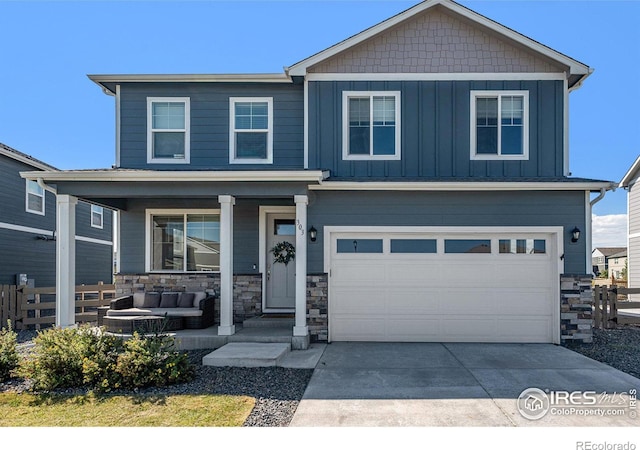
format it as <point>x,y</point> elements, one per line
<point>143,324</point>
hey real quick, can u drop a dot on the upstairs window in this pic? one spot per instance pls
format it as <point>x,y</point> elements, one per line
<point>97,216</point>
<point>499,125</point>
<point>35,198</point>
<point>371,125</point>
<point>251,130</point>
<point>168,130</point>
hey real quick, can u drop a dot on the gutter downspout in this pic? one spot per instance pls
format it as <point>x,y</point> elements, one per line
<point>46,187</point>
<point>589,206</point>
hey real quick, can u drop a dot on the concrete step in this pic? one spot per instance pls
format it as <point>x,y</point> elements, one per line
<point>267,321</point>
<point>247,354</point>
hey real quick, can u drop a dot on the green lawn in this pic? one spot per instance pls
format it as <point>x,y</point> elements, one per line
<point>27,410</point>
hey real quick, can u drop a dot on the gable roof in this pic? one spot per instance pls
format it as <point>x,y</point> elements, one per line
<point>24,158</point>
<point>622,254</point>
<point>577,71</point>
<point>631,174</point>
<point>610,251</point>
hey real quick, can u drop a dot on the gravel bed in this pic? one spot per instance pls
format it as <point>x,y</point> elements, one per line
<point>277,390</point>
<point>618,348</point>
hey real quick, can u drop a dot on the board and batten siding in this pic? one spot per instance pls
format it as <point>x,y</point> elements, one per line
<point>447,209</point>
<point>210,123</point>
<point>435,127</point>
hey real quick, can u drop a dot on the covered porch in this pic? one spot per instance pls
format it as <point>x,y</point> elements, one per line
<point>244,211</point>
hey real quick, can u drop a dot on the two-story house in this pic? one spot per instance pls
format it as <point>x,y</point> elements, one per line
<point>419,170</point>
<point>28,229</point>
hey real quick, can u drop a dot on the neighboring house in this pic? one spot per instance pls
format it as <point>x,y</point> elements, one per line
<point>28,224</point>
<point>618,265</point>
<point>601,258</point>
<point>429,153</point>
<point>629,182</point>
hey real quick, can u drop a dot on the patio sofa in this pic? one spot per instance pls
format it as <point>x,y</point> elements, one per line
<point>195,308</point>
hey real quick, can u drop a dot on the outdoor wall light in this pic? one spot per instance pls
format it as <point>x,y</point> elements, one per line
<point>575,234</point>
<point>313,234</point>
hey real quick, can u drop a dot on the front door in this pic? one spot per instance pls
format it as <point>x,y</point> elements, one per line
<point>280,277</point>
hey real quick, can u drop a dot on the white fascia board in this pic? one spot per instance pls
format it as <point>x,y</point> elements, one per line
<point>180,176</point>
<point>458,186</point>
<point>191,78</point>
<point>576,67</point>
<point>628,177</point>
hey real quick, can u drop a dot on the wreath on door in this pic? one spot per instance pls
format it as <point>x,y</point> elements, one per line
<point>283,252</point>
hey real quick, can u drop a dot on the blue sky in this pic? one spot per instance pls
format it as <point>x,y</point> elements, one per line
<point>51,110</point>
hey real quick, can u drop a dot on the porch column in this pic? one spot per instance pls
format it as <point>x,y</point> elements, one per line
<point>65,260</point>
<point>226,328</point>
<point>300,328</point>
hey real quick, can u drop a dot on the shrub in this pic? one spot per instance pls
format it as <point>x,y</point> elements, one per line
<point>151,361</point>
<point>72,357</point>
<point>82,357</point>
<point>8,352</point>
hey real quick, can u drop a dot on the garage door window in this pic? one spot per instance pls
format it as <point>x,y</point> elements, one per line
<point>413,246</point>
<point>467,246</point>
<point>522,246</point>
<point>359,245</point>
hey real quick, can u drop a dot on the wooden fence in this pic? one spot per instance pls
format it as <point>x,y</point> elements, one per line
<point>610,304</point>
<point>36,307</point>
<point>611,281</point>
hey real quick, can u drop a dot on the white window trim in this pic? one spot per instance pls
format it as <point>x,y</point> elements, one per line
<point>99,210</point>
<point>232,131</point>
<point>345,125</point>
<point>186,130</point>
<point>525,125</point>
<point>147,235</point>
<point>26,199</point>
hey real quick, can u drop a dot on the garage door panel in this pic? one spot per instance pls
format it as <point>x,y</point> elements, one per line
<point>359,272</point>
<point>364,328</point>
<point>413,329</point>
<point>529,329</point>
<point>526,302</point>
<point>470,300</point>
<point>349,300</point>
<point>438,297</point>
<point>402,273</point>
<point>413,301</point>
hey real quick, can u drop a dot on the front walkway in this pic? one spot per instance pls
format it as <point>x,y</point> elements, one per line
<point>415,384</point>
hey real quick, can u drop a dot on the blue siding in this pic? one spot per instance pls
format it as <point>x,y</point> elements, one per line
<point>210,123</point>
<point>23,252</point>
<point>530,209</point>
<point>435,130</point>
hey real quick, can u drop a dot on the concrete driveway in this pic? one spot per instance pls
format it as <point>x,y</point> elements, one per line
<point>431,384</point>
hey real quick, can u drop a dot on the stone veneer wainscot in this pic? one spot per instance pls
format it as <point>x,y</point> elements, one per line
<point>576,313</point>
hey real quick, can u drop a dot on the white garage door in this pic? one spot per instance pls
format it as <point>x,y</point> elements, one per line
<point>444,287</point>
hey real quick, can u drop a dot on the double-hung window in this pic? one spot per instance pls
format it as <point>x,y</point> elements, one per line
<point>251,130</point>
<point>499,125</point>
<point>97,216</point>
<point>183,241</point>
<point>371,125</point>
<point>35,198</point>
<point>168,130</point>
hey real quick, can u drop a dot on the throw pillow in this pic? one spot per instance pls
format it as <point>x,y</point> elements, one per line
<point>186,300</point>
<point>151,300</point>
<point>138,299</point>
<point>169,300</point>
